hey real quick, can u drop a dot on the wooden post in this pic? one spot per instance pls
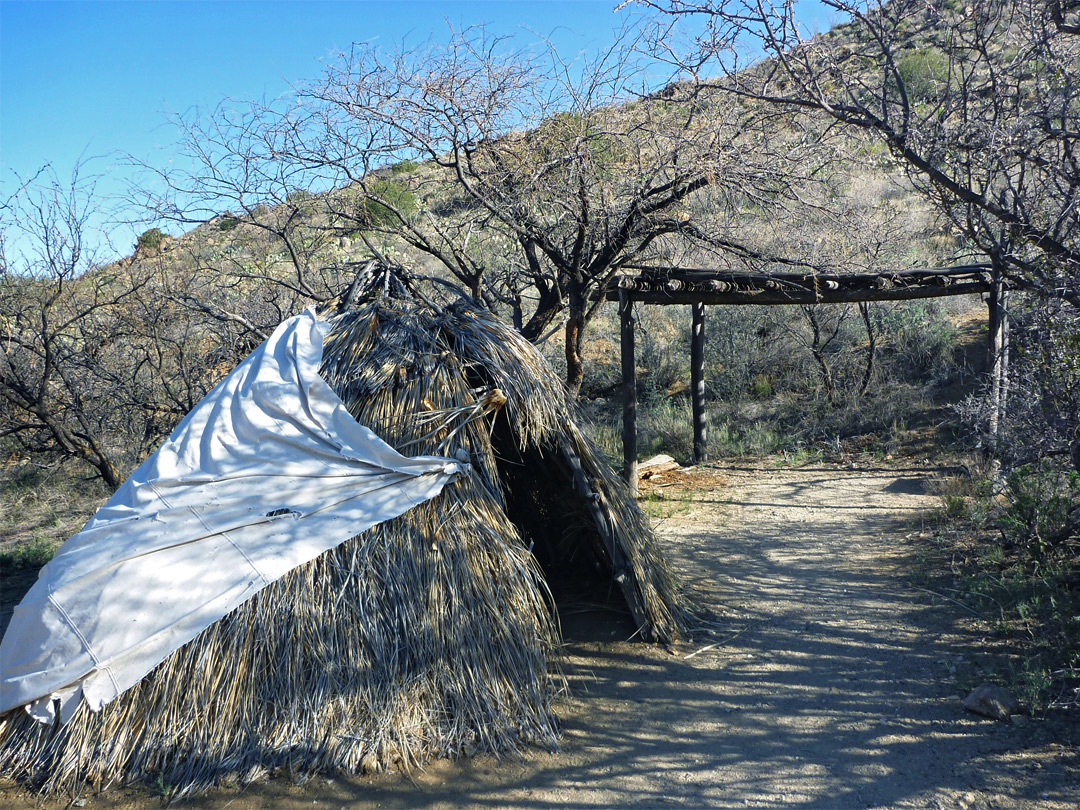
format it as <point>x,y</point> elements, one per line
<point>629,375</point>
<point>998,354</point>
<point>697,378</point>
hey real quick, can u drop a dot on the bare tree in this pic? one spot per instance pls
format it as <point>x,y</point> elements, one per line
<point>228,172</point>
<point>528,178</point>
<point>979,103</point>
<point>1043,418</point>
<point>96,365</point>
<point>56,323</point>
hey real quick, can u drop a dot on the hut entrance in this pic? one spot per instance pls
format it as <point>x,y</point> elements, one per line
<point>542,504</point>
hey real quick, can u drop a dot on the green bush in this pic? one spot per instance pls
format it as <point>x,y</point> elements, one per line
<point>1020,580</point>
<point>1042,501</point>
<point>919,341</point>
<point>404,167</point>
<point>923,73</point>
<point>151,240</point>
<point>378,206</point>
<point>29,555</point>
<point>761,386</point>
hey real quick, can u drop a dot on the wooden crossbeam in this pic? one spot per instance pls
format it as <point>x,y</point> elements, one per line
<point>669,285</point>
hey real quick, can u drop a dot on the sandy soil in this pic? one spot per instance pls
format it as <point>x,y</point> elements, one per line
<point>832,681</point>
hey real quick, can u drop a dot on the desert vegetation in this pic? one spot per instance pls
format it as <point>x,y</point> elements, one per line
<point>911,135</point>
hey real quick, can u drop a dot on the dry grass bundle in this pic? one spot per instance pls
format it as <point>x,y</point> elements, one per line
<point>430,635</point>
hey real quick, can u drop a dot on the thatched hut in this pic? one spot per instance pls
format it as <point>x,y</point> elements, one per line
<point>428,635</point>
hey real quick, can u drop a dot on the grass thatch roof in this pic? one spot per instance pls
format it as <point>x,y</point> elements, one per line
<point>430,635</point>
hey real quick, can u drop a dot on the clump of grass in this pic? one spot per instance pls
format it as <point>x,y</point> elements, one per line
<point>1016,561</point>
<point>605,431</point>
<point>39,509</point>
<point>799,455</point>
<point>660,504</point>
<point>667,427</point>
<point>31,554</point>
<point>964,501</point>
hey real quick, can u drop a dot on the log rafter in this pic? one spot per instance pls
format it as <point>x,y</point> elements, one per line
<point>680,285</point>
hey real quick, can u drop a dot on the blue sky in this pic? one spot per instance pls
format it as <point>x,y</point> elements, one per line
<point>90,78</point>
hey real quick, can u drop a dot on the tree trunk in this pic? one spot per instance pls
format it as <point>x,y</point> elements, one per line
<point>697,379</point>
<point>817,350</point>
<point>998,356</point>
<point>547,310</point>
<point>575,367</point>
<point>576,322</point>
<point>109,473</point>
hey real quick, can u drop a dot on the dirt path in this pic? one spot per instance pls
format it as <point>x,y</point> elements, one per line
<point>841,690</point>
<point>831,683</point>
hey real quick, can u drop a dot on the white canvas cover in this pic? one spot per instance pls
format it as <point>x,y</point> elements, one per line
<point>199,527</point>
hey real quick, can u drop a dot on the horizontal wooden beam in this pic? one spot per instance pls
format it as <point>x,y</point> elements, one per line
<point>782,297</point>
<point>695,286</point>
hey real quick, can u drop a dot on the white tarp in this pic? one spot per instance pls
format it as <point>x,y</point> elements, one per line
<point>190,535</point>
